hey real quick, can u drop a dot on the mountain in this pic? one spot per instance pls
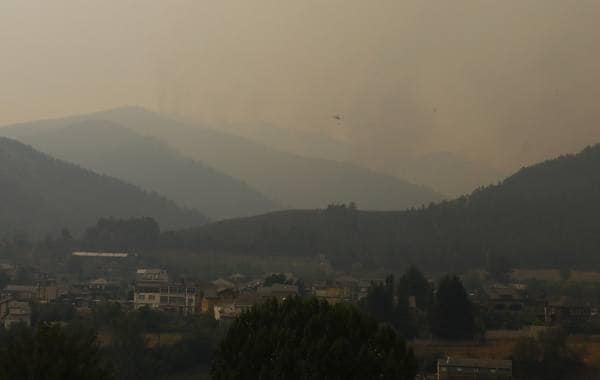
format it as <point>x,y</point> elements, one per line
<point>299,142</point>
<point>109,148</point>
<point>288,179</point>
<point>292,180</point>
<point>544,215</point>
<point>42,195</point>
<point>447,172</point>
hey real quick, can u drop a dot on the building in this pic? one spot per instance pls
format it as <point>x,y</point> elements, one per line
<point>50,293</point>
<point>221,284</point>
<point>15,312</point>
<point>151,275</point>
<point>278,291</point>
<point>330,293</point>
<point>505,298</point>
<point>154,290</point>
<point>567,313</point>
<point>112,265</point>
<point>20,292</point>
<point>473,369</point>
<point>33,293</point>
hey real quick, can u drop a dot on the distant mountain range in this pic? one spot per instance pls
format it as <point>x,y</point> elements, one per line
<point>42,195</point>
<point>290,180</point>
<point>544,215</point>
<point>109,148</point>
<point>446,172</point>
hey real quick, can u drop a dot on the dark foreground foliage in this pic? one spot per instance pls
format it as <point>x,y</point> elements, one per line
<point>310,339</point>
<point>546,357</point>
<point>51,352</point>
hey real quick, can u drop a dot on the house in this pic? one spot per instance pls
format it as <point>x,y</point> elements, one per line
<point>154,290</point>
<point>16,312</point>
<point>567,313</point>
<point>170,297</point>
<point>473,369</point>
<point>245,301</point>
<point>151,275</point>
<point>210,299</point>
<point>104,264</point>
<point>278,291</point>
<point>330,293</point>
<point>50,293</point>
<point>222,284</point>
<point>33,293</point>
<point>505,298</point>
<point>26,293</point>
<point>179,297</point>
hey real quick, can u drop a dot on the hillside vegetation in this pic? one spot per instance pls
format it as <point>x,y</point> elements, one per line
<point>41,195</point>
<point>546,214</point>
<point>290,180</point>
<point>109,148</point>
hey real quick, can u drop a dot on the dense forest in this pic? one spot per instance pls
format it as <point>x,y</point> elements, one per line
<point>42,195</point>
<point>545,214</point>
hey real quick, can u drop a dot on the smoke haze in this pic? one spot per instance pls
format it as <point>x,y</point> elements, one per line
<point>503,83</point>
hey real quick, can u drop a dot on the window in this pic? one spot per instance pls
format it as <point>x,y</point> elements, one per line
<point>141,297</point>
<point>151,297</point>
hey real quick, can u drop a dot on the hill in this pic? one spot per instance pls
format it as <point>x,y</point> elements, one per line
<point>544,215</point>
<point>109,148</point>
<point>290,180</point>
<point>42,195</point>
<point>446,172</point>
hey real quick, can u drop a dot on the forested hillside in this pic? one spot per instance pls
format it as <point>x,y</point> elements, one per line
<point>109,148</point>
<point>42,195</point>
<point>546,214</point>
<point>290,180</point>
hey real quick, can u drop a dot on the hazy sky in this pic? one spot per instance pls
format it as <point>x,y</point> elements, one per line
<point>506,82</point>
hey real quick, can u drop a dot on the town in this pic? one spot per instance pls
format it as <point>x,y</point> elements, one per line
<point>505,311</point>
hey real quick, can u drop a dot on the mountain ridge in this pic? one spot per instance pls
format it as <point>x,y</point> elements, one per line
<point>110,148</point>
<point>290,180</point>
<point>542,214</point>
<point>42,195</point>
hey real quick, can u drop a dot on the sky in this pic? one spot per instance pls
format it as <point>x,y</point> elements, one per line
<point>506,83</point>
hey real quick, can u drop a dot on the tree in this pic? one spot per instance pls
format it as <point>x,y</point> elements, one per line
<point>302,339</point>
<point>51,352</point>
<point>275,278</point>
<point>4,280</point>
<point>122,234</point>
<point>389,303</point>
<point>546,357</point>
<point>415,284</point>
<point>128,351</point>
<point>451,316</point>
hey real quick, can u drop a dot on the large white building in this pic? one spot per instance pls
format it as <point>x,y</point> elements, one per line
<point>154,290</point>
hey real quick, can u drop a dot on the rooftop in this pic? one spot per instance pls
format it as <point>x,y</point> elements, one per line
<point>475,363</point>
<point>20,288</point>
<point>101,254</point>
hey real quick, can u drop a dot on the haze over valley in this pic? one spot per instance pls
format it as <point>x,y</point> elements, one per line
<point>313,189</point>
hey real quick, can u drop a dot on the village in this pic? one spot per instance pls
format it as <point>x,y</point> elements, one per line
<point>508,310</point>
